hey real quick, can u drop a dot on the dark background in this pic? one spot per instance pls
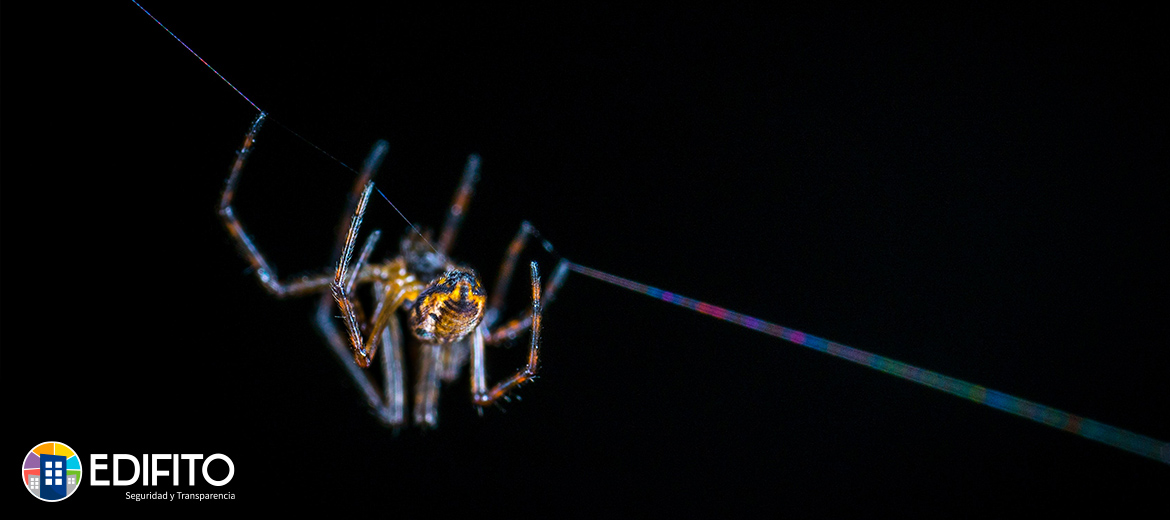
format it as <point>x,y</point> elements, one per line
<point>980,193</point>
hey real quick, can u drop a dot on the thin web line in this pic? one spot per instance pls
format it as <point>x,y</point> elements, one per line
<point>350,168</point>
<point>1047,415</point>
<point>160,24</point>
<point>282,125</point>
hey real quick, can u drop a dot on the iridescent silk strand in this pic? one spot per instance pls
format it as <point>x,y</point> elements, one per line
<point>1087,428</point>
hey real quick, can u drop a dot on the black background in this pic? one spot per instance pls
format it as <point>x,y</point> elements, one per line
<point>978,193</point>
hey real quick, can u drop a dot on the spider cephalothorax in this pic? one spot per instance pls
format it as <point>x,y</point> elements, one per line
<point>449,308</point>
<point>420,256</point>
<point>449,315</point>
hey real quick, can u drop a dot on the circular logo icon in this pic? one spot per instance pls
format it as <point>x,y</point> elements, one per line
<point>52,471</point>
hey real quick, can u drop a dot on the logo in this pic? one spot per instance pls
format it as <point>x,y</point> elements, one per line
<point>52,471</point>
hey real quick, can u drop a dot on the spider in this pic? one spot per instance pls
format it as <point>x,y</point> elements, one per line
<point>446,308</point>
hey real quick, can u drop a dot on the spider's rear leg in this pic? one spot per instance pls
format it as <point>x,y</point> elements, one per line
<point>504,278</point>
<point>454,357</point>
<point>438,363</point>
<point>389,404</point>
<point>426,390</point>
<point>393,370</point>
<point>369,170</point>
<point>480,395</point>
<point>459,204</point>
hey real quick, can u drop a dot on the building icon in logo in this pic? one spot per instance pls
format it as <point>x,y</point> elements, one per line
<point>52,471</point>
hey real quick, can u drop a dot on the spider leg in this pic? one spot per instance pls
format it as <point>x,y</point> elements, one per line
<point>480,395</point>
<point>264,272</point>
<point>397,290</point>
<point>351,281</point>
<point>426,393</point>
<point>369,169</point>
<point>455,355</point>
<point>340,347</point>
<point>507,267</point>
<point>514,327</point>
<point>459,204</point>
<point>393,370</point>
<point>387,406</point>
<point>341,286</point>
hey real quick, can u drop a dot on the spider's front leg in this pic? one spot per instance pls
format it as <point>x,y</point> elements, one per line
<point>264,272</point>
<point>480,395</point>
<point>397,289</point>
<point>388,402</point>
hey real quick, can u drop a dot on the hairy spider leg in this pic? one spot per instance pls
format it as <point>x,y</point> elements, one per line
<point>454,357</point>
<point>394,368</point>
<point>244,243</point>
<point>426,390</point>
<point>369,169</point>
<point>507,267</point>
<point>512,328</point>
<point>459,205</point>
<point>480,395</point>
<point>399,286</point>
<point>389,407</point>
<point>389,403</point>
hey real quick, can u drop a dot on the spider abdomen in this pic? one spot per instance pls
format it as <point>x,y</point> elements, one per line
<point>449,308</point>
